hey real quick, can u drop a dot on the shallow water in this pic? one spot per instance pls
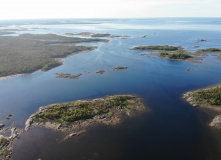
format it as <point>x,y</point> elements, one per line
<point>171,130</point>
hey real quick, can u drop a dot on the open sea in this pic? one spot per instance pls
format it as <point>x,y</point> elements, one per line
<point>171,130</point>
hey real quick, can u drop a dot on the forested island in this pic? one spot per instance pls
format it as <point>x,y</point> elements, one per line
<point>177,53</point>
<point>73,118</point>
<point>209,98</point>
<point>169,52</point>
<point>27,53</point>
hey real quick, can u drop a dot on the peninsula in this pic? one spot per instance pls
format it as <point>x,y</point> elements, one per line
<point>27,53</point>
<point>209,98</point>
<point>73,118</point>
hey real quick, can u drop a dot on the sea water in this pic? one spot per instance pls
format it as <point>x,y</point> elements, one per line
<point>172,129</point>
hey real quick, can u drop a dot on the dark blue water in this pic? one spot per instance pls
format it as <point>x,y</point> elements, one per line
<point>171,130</point>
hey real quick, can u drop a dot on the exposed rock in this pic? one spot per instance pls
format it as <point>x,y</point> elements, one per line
<point>100,72</point>
<point>67,75</point>
<point>145,54</point>
<point>2,125</point>
<point>211,110</point>
<point>143,36</point>
<point>118,68</point>
<point>189,69</point>
<point>216,122</point>
<point>200,40</point>
<point>8,117</point>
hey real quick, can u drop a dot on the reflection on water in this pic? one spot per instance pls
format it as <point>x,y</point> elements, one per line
<point>172,130</point>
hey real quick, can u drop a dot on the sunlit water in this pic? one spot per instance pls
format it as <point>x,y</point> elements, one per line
<point>171,130</point>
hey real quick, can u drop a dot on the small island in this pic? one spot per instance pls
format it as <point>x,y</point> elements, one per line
<point>119,68</point>
<point>210,99</point>
<point>178,53</point>
<point>68,75</point>
<point>100,72</point>
<point>168,52</point>
<point>73,118</point>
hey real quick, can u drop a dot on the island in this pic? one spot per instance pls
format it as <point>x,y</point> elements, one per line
<point>168,52</point>
<point>209,50</point>
<point>68,75</point>
<point>97,35</point>
<point>178,53</point>
<point>209,99</point>
<point>73,118</point>
<point>27,53</point>
<point>100,72</point>
<point>119,68</point>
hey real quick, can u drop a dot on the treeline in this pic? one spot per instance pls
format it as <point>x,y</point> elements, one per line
<point>210,96</point>
<point>157,48</point>
<point>66,113</point>
<point>209,50</point>
<point>176,55</point>
<point>28,53</point>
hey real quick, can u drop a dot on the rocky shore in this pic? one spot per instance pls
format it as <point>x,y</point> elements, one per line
<point>6,142</point>
<point>214,111</point>
<point>75,117</point>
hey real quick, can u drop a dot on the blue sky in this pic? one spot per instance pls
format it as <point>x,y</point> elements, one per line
<point>33,9</point>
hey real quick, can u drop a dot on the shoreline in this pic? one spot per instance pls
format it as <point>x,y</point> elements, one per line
<point>213,111</point>
<point>111,116</point>
<point>58,59</point>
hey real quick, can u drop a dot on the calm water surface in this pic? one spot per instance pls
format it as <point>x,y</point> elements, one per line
<point>171,130</point>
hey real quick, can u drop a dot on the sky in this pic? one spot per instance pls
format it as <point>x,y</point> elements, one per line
<point>38,9</point>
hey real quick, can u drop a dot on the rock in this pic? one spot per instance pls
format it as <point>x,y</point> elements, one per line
<point>67,75</point>
<point>200,40</point>
<point>8,117</point>
<point>72,134</point>
<point>189,69</point>
<point>100,72</point>
<point>28,123</point>
<point>145,54</point>
<point>143,36</point>
<point>118,68</point>
<point>216,122</point>
<point>2,125</point>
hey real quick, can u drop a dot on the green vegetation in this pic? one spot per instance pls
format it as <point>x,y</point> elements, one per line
<point>211,50</point>
<point>51,65</point>
<point>157,48</point>
<point>180,55</point>
<point>3,147</point>
<point>210,96</point>
<point>69,112</point>
<point>176,54</point>
<point>166,51</point>
<point>27,53</point>
<point>101,35</point>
